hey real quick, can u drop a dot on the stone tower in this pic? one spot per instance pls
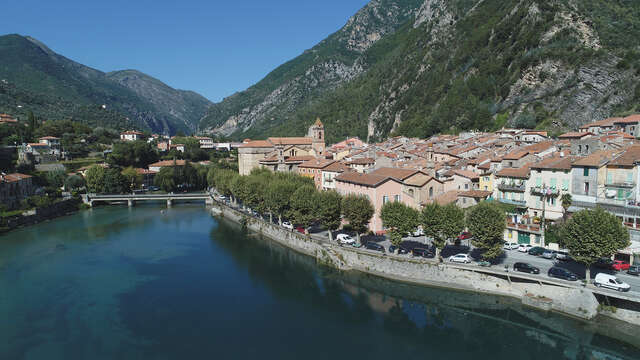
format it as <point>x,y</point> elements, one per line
<point>316,132</point>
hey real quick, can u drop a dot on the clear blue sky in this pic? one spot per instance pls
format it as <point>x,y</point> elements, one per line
<point>213,47</point>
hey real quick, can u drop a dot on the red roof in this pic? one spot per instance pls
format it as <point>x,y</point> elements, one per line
<point>15,177</point>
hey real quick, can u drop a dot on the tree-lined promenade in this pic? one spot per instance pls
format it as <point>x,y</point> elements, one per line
<point>589,234</point>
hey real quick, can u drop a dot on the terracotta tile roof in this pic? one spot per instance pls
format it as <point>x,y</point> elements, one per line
<point>554,163</point>
<point>419,179</point>
<point>574,135</point>
<point>521,172</point>
<point>167,163</point>
<point>145,171</point>
<point>316,164</point>
<point>466,173</point>
<point>629,157</point>
<point>256,144</point>
<point>362,161</point>
<point>531,132</point>
<point>131,133</point>
<point>37,144</point>
<point>601,123</point>
<point>49,138</point>
<point>477,194</point>
<point>15,177</point>
<point>336,166</point>
<point>299,159</point>
<point>516,154</point>
<point>596,159</point>
<point>396,173</point>
<point>290,140</point>
<point>369,180</point>
<point>632,119</point>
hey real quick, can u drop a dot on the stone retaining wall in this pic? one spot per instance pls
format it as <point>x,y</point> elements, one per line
<point>576,302</point>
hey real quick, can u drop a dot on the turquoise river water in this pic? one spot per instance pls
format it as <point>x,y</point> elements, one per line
<point>120,283</point>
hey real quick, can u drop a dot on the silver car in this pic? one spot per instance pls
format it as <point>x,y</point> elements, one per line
<point>549,254</point>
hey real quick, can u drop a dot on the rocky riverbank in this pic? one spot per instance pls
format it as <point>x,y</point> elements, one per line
<point>61,208</point>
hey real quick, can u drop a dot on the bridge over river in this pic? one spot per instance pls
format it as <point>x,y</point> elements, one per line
<point>131,199</point>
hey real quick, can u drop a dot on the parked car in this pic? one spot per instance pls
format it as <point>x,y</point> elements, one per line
<point>562,273</point>
<point>536,251</point>
<point>153,188</point>
<point>460,258</point>
<point>401,249</point>
<point>604,263</point>
<point>563,255</point>
<point>465,235</point>
<point>418,232</point>
<point>221,197</point>
<point>524,247</point>
<point>421,252</point>
<point>611,282</point>
<point>374,246</point>
<point>634,270</point>
<point>510,246</point>
<point>524,267</point>
<point>619,265</point>
<point>287,225</point>
<point>345,239</point>
<point>549,254</point>
<point>300,229</point>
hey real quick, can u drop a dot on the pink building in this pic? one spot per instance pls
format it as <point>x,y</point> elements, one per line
<point>379,189</point>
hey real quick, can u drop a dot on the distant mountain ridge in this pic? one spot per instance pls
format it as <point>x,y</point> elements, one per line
<point>421,67</point>
<point>35,78</point>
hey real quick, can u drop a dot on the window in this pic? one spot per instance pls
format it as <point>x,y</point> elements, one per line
<point>554,183</point>
<point>396,198</point>
<point>609,177</point>
<point>586,188</point>
<point>553,201</point>
<point>431,192</point>
<point>586,172</point>
<point>629,177</point>
<point>385,199</point>
<point>466,186</point>
<point>565,184</point>
<point>579,148</point>
<point>464,200</point>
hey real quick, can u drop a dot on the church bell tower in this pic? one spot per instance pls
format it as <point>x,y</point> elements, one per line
<point>316,132</point>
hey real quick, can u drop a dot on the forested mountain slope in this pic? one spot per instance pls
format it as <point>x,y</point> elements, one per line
<point>34,78</point>
<point>422,67</point>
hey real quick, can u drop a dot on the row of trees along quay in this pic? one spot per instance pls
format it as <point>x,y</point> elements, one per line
<point>588,235</point>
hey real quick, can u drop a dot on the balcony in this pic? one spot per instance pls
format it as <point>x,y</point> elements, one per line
<point>531,228</point>
<point>521,203</point>
<point>545,191</point>
<point>506,186</point>
<point>621,185</point>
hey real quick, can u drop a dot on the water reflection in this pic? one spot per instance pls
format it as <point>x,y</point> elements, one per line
<point>419,320</point>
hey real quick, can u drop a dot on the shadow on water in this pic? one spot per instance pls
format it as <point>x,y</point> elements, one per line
<point>414,319</point>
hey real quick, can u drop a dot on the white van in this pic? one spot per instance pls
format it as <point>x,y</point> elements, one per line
<point>611,282</point>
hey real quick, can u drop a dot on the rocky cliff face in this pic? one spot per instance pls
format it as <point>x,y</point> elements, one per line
<point>421,67</point>
<point>334,61</point>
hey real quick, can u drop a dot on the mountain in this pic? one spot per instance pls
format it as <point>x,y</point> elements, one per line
<point>34,78</point>
<point>421,67</point>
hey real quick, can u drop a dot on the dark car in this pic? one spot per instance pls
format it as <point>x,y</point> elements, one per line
<point>524,267</point>
<point>604,263</point>
<point>561,273</point>
<point>420,252</point>
<point>634,270</point>
<point>537,251</point>
<point>401,249</point>
<point>374,246</point>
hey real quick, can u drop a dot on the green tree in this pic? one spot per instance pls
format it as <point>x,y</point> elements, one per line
<point>442,223</point>
<point>399,220</point>
<point>239,189</point>
<point>134,179</point>
<point>94,178</point>
<point>133,153</point>
<point>56,178</point>
<point>74,183</point>
<point>114,182</point>
<point>565,200</point>
<point>165,179</point>
<point>487,222</point>
<point>594,234</point>
<point>357,210</point>
<point>330,211</point>
<point>277,196</point>
<point>304,203</point>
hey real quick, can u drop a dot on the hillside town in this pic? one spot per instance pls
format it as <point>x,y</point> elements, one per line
<point>597,165</point>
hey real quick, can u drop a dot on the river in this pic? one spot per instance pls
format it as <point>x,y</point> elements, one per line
<point>141,283</point>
